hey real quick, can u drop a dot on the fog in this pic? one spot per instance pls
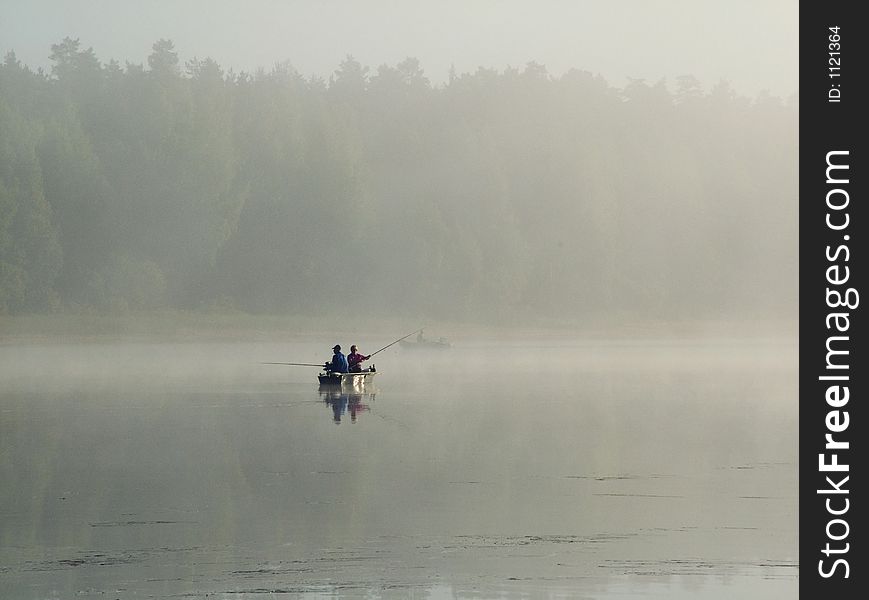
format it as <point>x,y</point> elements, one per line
<point>504,192</point>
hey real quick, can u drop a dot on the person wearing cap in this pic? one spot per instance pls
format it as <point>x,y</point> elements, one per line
<point>338,363</point>
<point>354,360</point>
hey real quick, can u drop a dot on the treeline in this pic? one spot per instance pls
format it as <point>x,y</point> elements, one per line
<point>499,194</point>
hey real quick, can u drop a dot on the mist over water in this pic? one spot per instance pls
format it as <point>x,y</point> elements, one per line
<point>656,468</point>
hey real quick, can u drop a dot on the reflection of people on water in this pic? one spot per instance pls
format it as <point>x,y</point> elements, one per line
<point>356,406</point>
<point>338,364</point>
<point>341,402</point>
<point>354,360</point>
<point>339,406</point>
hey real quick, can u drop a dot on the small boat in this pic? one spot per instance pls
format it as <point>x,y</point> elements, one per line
<point>356,380</point>
<point>439,344</point>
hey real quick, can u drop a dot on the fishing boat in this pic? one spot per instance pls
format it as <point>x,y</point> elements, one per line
<point>439,344</point>
<point>422,343</point>
<point>355,380</point>
<point>330,379</point>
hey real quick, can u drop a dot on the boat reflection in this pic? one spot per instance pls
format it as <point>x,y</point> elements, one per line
<point>344,402</point>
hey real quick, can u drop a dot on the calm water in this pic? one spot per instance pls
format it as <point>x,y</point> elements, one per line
<point>561,470</point>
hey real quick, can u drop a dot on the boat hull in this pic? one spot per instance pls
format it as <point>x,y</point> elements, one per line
<point>356,380</point>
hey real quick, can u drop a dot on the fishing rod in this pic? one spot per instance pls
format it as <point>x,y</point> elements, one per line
<point>296,364</point>
<point>321,365</point>
<point>395,342</point>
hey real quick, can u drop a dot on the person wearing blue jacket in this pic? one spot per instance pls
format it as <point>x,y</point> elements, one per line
<point>339,361</point>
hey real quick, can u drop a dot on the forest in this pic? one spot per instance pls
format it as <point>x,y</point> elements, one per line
<point>495,195</point>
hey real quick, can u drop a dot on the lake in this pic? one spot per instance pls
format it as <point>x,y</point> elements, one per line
<point>495,469</point>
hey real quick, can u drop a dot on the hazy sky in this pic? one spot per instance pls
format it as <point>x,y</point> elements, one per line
<point>751,43</point>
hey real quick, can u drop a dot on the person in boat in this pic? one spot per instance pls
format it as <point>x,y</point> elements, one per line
<point>354,360</point>
<point>338,364</point>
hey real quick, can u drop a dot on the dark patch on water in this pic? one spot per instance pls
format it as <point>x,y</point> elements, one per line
<point>696,566</point>
<point>638,495</point>
<point>761,497</point>
<point>616,477</point>
<point>480,541</point>
<point>129,523</point>
<point>757,465</point>
<point>88,559</point>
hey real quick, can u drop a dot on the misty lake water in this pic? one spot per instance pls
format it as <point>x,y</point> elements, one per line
<point>552,469</point>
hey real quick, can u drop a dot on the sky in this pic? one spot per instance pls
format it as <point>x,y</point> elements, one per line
<point>750,43</point>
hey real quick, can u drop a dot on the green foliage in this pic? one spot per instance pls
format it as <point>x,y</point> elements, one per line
<point>126,283</point>
<point>497,195</point>
<point>30,255</point>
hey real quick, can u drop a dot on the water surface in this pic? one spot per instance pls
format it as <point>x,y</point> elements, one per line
<point>587,469</point>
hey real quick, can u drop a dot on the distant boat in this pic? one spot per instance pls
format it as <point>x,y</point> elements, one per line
<point>424,344</point>
<point>355,380</point>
